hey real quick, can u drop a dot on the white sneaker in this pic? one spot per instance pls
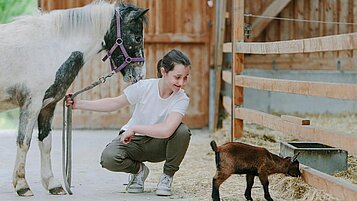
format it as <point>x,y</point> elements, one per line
<point>164,185</point>
<point>136,181</point>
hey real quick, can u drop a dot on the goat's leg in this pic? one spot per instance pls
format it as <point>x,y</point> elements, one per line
<point>265,182</point>
<point>248,190</point>
<point>218,179</point>
<point>28,115</point>
<point>45,140</point>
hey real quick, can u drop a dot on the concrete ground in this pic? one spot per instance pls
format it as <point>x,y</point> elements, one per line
<point>89,180</point>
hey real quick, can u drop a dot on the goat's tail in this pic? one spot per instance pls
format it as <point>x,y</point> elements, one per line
<point>217,157</point>
<point>214,146</point>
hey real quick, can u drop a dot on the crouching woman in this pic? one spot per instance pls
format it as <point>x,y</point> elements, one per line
<point>155,131</point>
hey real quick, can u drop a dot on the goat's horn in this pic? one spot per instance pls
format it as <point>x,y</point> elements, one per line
<point>295,156</point>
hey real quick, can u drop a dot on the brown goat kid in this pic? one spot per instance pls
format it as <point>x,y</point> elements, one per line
<point>240,158</point>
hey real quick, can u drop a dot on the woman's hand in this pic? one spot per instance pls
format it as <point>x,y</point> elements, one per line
<point>125,137</point>
<point>70,101</point>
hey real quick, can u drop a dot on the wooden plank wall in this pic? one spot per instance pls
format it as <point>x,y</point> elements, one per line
<point>181,24</point>
<point>53,4</point>
<point>278,30</point>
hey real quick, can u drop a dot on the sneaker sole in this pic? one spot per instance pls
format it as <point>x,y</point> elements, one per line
<point>135,190</point>
<point>163,193</point>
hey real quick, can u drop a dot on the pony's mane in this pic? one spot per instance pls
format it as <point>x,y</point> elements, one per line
<point>94,18</point>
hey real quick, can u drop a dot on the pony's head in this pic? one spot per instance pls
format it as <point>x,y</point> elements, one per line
<point>129,57</point>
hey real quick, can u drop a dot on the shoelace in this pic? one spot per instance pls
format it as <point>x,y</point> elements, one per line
<point>133,178</point>
<point>166,180</point>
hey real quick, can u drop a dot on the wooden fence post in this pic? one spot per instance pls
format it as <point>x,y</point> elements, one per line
<point>237,14</point>
<point>220,30</point>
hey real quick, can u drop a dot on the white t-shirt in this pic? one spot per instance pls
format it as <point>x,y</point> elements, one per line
<point>150,108</point>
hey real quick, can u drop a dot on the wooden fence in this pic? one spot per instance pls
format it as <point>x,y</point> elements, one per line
<point>234,104</point>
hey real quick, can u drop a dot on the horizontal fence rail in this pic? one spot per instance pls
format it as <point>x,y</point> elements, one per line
<point>336,186</point>
<point>318,44</point>
<point>306,132</point>
<point>340,91</point>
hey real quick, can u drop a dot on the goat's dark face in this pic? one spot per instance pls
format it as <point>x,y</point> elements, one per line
<point>294,170</point>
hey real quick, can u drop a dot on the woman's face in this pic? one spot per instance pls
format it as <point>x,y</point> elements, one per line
<point>176,78</point>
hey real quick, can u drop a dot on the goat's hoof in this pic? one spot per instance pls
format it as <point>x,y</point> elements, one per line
<point>57,191</point>
<point>248,198</point>
<point>269,199</point>
<point>25,192</point>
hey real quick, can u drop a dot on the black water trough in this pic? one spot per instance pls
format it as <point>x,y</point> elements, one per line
<point>321,157</point>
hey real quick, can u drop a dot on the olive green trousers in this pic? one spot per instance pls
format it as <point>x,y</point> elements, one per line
<point>119,157</point>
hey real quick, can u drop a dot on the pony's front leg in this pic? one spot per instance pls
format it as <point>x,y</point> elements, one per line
<point>45,143</point>
<point>28,115</point>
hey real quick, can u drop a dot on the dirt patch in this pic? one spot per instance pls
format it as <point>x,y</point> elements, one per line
<point>193,180</point>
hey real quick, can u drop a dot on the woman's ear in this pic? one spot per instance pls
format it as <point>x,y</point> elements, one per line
<point>163,72</point>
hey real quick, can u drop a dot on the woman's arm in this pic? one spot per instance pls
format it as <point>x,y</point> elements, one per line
<point>161,130</point>
<point>101,105</point>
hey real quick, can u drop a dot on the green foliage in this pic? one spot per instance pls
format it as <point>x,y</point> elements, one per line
<point>9,120</point>
<point>12,8</point>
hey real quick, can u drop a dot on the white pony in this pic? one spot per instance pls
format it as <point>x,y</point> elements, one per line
<point>42,54</point>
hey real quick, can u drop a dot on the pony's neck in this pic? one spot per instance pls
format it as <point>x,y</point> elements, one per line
<point>88,24</point>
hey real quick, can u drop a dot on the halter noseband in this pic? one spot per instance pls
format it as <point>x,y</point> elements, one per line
<point>119,42</point>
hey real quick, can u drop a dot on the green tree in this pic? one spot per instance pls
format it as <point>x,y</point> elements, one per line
<point>12,8</point>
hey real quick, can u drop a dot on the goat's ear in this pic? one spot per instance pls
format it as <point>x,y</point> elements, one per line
<point>295,157</point>
<point>288,158</point>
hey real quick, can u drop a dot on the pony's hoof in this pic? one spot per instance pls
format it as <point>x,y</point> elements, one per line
<point>25,192</point>
<point>57,191</point>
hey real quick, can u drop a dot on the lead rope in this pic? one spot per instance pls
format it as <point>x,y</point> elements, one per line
<point>67,136</point>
